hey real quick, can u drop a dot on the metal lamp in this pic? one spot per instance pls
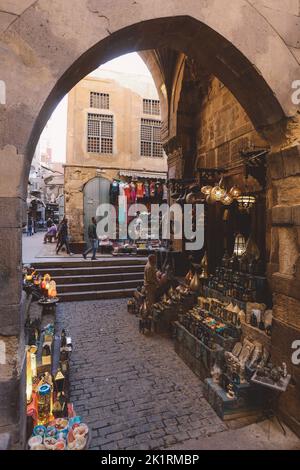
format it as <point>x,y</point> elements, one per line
<point>239,245</point>
<point>246,202</point>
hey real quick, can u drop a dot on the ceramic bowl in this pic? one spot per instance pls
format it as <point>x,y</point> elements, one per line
<point>80,430</point>
<point>51,431</point>
<point>39,430</point>
<point>60,445</point>
<point>50,443</point>
<point>78,444</point>
<point>35,441</point>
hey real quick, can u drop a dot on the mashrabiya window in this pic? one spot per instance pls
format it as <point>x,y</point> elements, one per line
<point>151,107</point>
<point>100,133</point>
<point>150,138</point>
<point>99,100</point>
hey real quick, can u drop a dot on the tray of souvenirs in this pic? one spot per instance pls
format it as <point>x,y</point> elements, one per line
<point>207,329</point>
<point>60,434</point>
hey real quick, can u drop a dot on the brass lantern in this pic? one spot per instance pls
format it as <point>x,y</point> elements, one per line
<point>235,192</point>
<point>239,245</point>
<point>246,202</point>
<point>227,199</point>
<point>218,192</point>
<point>206,190</point>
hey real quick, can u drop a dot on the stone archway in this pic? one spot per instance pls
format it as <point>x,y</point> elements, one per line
<point>47,47</point>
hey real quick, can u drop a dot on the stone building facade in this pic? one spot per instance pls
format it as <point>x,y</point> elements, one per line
<point>253,48</point>
<point>128,111</point>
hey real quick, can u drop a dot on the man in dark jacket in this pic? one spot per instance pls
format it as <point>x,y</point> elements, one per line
<point>63,236</point>
<point>93,238</point>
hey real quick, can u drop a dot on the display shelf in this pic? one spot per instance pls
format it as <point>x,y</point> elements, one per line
<point>213,293</point>
<point>232,408</point>
<point>199,357</point>
<point>235,331</point>
<point>226,343</point>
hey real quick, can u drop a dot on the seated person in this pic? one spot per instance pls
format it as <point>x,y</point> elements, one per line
<point>51,234</point>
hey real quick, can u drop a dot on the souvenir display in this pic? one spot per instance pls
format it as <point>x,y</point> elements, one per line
<point>47,388</point>
<point>60,434</point>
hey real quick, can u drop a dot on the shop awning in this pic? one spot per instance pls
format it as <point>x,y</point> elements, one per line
<point>143,174</point>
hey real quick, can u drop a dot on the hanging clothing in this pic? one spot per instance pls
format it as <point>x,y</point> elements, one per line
<point>114,192</point>
<point>121,189</point>
<point>146,190</point>
<point>140,190</point>
<point>158,191</point>
<point>152,189</point>
<point>127,192</point>
<point>165,192</point>
<point>133,192</point>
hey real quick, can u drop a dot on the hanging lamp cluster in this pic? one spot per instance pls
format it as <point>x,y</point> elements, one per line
<point>218,193</point>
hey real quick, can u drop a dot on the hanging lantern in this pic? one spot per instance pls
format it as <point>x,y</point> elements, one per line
<point>218,192</point>
<point>206,190</point>
<point>227,200</point>
<point>239,245</point>
<point>235,192</point>
<point>246,202</point>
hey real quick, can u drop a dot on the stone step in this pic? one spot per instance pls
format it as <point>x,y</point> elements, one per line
<point>95,295</point>
<point>81,263</point>
<point>99,287</point>
<point>90,278</point>
<point>90,270</point>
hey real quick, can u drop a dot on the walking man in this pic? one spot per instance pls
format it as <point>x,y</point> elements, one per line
<point>92,234</point>
<point>63,237</point>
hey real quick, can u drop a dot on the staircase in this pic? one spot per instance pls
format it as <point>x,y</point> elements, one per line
<point>92,280</point>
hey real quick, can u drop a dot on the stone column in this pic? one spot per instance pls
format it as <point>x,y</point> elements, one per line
<point>12,350</point>
<point>284,271</point>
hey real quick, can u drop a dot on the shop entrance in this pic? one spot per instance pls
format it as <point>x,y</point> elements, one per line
<point>96,192</point>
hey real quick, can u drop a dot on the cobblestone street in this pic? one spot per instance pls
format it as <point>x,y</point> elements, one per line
<point>132,390</point>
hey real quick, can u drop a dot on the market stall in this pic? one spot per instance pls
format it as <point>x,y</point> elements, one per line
<point>52,423</point>
<point>223,333</point>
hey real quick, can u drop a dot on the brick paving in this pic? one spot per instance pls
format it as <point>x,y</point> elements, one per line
<point>132,390</point>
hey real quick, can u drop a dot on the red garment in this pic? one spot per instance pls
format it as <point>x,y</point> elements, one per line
<point>140,190</point>
<point>133,192</point>
<point>152,189</point>
<point>127,192</point>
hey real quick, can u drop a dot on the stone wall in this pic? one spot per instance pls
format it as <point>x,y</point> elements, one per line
<point>224,129</point>
<point>284,270</point>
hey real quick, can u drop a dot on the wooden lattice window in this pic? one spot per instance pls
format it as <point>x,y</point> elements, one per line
<point>150,138</point>
<point>100,133</point>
